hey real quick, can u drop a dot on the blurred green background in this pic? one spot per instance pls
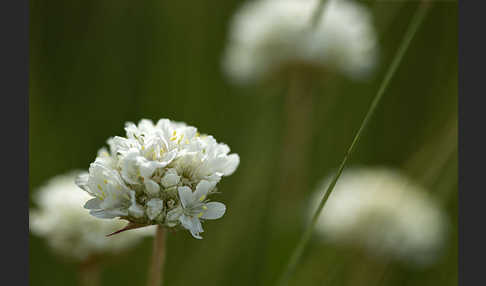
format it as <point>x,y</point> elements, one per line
<point>97,64</point>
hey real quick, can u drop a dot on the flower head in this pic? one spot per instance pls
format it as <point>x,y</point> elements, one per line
<point>152,175</point>
<point>69,229</point>
<point>383,211</point>
<point>270,35</point>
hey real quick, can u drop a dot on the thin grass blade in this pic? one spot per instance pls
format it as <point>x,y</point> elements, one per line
<point>410,33</point>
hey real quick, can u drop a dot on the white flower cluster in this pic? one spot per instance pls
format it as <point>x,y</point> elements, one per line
<point>384,212</point>
<point>68,228</point>
<point>269,35</point>
<point>159,174</point>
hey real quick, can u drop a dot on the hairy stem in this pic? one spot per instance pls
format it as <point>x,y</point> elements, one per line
<point>412,29</point>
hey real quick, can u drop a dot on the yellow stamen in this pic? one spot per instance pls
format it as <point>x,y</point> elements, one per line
<point>202,198</point>
<point>180,139</point>
<point>100,188</point>
<point>204,207</point>
<point>105,181</point>
<point>200,214</point>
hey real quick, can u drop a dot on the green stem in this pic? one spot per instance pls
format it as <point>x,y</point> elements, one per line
<point>414,25</point>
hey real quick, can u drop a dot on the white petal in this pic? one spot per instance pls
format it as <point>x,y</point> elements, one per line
<point>174,214</point>
<point>130,171</point>
<point>154,208</point>
<point>111,202</point>
<point>214,178</point>
<point>82,181</point>
<point>136,211</point>
<point>152,188</point>
<point>186,196</point>
<point>168,157</point>
<point>231,164</point>
<point>108,213</point>
<point>103,152</point>
<point>147,168</point>
<point>93,204</point>
<point>215,210</point>
<point>131,129</point>
<point>119,145</point>
<point>197,227</point>
<point>191,224</point>
<point>202,190</point>
<point>185,221</point>
<point>170,178</point>
<point>100,214</point>
<point>117,212</point>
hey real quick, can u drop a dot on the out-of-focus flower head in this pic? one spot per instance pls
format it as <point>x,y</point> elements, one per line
<point>161,173</point>
<point>69,229</point>
<point>383,211</point>
<point>267,36</point>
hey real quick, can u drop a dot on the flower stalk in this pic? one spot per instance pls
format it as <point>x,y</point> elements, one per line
<point>158,258</point>
<point>414,25</point>
<point>298,134</point>
<point>89,273</point>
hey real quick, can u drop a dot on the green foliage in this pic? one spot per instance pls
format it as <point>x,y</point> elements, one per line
<point>97,64</point>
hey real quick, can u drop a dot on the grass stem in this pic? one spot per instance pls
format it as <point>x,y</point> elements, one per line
<point>411,31</point>
<point>318,12</point>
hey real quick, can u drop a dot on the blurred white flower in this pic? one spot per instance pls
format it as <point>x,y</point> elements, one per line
<point>269,35</point>
<point>69,229</point>
<point>384,212</point>
<point>140,178</point>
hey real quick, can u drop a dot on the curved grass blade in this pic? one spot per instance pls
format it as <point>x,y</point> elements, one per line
<point>411,31</point>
